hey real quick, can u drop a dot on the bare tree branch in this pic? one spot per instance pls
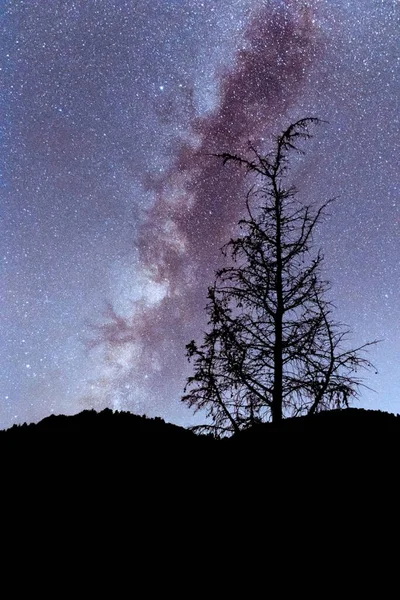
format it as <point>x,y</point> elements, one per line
<point>272,349</point>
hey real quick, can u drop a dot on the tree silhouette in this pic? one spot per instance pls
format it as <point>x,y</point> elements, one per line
<point>272,349</point>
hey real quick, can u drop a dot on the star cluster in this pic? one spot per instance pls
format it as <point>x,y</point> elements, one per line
<point>113,208</point>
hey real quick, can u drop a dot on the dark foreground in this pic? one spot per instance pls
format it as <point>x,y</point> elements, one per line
<point>305,488</point>
<point>344,440</point>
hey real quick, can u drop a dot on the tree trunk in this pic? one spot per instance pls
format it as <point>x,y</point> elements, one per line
<point>276,409</point>
<point>277,400</point>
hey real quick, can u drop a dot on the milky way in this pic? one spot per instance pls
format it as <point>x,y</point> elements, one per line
<point>114,207</point>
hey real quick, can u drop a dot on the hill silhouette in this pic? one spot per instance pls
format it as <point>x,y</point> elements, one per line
<point>308,467</point>
<point>352,429</point>
<point>351,421</point>
<point>106,422</point>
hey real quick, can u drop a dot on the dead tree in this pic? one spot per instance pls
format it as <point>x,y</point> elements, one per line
<point>272,349</point>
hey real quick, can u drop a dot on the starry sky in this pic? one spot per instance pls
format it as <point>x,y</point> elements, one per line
<point>113,208</point>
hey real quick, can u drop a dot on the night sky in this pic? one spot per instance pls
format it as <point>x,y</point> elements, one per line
<point>113,210</point>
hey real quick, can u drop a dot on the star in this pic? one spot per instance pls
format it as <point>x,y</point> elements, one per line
<point>114,208</point>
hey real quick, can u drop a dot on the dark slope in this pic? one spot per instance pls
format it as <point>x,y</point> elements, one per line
<point>107,423</point>
<point>348,424</point>
<point>311,491</point>
<point>337,436</point>
<point>106,448</point>
<point>352,422</point>
<point>341,462</point>
<point>340,444</point>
